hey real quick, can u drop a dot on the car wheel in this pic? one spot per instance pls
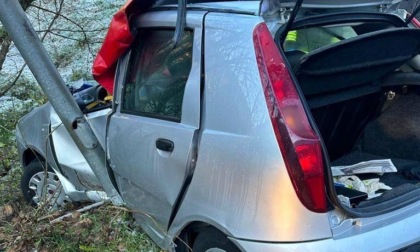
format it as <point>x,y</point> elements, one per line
<point>212,240</point>
<point>42,187</point>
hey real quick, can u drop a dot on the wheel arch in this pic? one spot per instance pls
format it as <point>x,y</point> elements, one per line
<point>30,155</point>
<point>184,241</point>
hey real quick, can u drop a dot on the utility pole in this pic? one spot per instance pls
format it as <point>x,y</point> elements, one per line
<point>21,31</point>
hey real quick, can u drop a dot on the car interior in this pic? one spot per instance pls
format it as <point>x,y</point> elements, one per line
<point>361,82</point>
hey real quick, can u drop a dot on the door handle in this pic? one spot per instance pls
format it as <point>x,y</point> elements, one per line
<point>165,145</point>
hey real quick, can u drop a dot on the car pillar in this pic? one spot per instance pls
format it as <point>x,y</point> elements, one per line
<point>29,45</point>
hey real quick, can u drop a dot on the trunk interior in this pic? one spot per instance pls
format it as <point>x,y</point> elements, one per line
<point>364,96</point>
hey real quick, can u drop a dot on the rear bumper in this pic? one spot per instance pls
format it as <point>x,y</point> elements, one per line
<point>389,236</point>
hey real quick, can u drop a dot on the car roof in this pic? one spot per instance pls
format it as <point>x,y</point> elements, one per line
<point>264,7</point>
<point>246,7</point>
<point>333,4</point>
<point>291,3</point>
<point>242,6</point>
<point>271,6</point>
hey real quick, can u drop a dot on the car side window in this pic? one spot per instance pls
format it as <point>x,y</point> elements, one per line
<point>157,75</point>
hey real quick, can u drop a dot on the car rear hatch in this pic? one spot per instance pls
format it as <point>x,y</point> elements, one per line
<point>270,6</point>
<point>343,65</point>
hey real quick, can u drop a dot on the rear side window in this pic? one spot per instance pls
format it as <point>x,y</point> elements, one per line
<point>157,75</point>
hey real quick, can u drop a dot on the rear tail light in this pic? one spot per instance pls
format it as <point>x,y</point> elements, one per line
<point>416,22</point>
<point>299,144</point>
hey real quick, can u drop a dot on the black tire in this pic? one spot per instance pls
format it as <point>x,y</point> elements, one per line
<point>211,238</point>
<point>33,168</point>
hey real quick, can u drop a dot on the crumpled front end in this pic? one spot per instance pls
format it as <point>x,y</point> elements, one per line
<point>32,136</point>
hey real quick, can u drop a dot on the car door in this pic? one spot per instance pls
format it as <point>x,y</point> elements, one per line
<point>150,142</point>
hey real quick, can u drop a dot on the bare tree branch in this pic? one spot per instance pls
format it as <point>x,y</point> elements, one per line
<point>13,83</point>
<point>73,31</point>
<point>5,40</point>
<point>82,30</point>
<point>74,39</point>
<point>5,45</point>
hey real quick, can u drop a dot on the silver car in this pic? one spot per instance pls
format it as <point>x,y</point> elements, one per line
<point>270,126</point>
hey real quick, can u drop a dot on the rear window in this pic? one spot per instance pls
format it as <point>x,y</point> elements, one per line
<point>309,39</point>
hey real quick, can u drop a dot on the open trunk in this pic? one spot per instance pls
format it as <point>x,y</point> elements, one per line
<point>364,96</point>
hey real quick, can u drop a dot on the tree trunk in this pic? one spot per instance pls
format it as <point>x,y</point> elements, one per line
<point>5,45</point>
<point>5,40</point>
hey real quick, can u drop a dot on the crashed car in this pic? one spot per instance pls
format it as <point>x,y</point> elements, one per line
<point>268,126</point>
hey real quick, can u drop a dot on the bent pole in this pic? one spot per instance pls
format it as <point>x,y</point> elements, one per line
<point>19,28</point>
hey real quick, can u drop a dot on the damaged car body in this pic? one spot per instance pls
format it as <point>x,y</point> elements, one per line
<point>229,136</point>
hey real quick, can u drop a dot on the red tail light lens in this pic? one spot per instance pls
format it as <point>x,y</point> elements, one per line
<point>299,144</point>
<point>416,22</point>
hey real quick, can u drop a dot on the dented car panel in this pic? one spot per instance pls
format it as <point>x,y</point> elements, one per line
<point>233,192</point>
<point>69,157</point>
<point>152,179</point>
<point>207,155</point>
<point>33,133</point>
<point>42,134</point>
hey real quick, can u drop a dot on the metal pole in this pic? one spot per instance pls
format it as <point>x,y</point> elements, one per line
<point>19,28</point>
<point>180,21</point>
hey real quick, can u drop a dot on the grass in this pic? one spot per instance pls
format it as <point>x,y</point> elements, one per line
<point>24,228</point>
<point>102,229</point>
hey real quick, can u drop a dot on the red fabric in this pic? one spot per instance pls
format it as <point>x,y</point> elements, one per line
<point>117,40</point>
